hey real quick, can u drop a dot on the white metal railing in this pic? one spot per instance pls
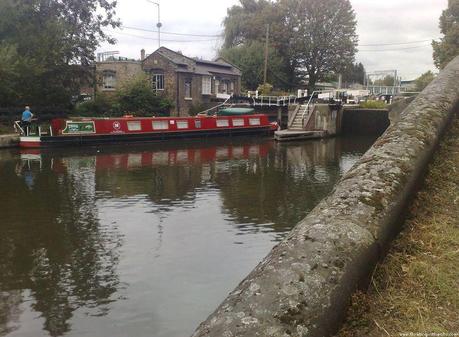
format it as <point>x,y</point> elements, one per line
<point>26,131</point>
<point>18,128</point>
<point>383,90</point>
<point>274,100</point>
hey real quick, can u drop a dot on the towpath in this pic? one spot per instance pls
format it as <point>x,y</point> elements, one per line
<point>416,288</point>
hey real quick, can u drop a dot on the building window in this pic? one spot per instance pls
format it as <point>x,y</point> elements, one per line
<point>221,123</point>
<point>157,82</point>
<point>134,126</point>
<point>160,125</point>
<point>197,124</point>
<point>223,89</point>
<point>206,85</point>
<point>182,124</point>
<point>109,78</point>
<point>254,121</point>
<point>188,89</point>
<point>232,87</point>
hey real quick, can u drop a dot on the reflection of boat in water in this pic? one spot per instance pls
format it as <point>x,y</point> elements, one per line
<point>90,131</point>
<point>142,157</point>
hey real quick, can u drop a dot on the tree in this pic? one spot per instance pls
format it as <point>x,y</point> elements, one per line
<point>424,80</point>
<point>313,37</point>
<point>354,73</point>
<point>245,34</point>
<point>326,36</point>
<point>249,57</point>
<point>8,75</point>
<point>55,43</point>
<point>448,46</point>
<point>387,81</point>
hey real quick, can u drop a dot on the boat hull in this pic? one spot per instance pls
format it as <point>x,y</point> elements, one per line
<point>81,140</point>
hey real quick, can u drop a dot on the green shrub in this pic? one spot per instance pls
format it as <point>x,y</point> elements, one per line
<point>102,105</point>
<point>373,105</point>
<point>265,89</point>
<point>135,97</point>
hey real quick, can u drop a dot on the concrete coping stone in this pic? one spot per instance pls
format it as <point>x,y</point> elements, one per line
<point>303,287</point>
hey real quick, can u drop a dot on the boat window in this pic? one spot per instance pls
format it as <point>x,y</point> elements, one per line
<point>238,122</point>
<point>182,124</point>
<point>160,125</point>
<point>134,126</point>
<point>222,123</point>
<point>197,124</point>
<point>254,121</point>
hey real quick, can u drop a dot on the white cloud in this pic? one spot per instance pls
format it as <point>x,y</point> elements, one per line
<point>379,22</point>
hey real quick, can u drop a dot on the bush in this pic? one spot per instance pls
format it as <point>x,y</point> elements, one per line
<point>265,89</point>
<point>133,98</point>
<point>373,105</point>
<point>137,98</point>
<point>102,105</point>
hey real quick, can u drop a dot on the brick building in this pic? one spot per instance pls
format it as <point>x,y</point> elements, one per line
<point>190,82</point>
<point>112,73</point>
<point>187,82</point>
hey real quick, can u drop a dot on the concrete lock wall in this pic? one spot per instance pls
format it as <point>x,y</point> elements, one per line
<point>304,285</point>
<point>364,121</point>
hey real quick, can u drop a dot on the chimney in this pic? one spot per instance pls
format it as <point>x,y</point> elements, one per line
<point>142,55</point>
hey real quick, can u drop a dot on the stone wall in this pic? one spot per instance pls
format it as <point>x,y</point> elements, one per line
<point>304,285</point>
<point>124,70</point>
<point>9,141</point>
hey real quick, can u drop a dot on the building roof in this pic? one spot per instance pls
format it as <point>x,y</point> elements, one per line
<point>198,66</point>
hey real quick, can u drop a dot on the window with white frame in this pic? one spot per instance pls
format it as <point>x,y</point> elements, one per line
<point>238,122</point>
<point>206,85</point>
<point>182,124</point>
<point>254,121</point>
<point>221,123</point>
<point>109,79</point>
<point>134,126</point>
<point>188,89</point>
<point>160,125</point>
<point>157,82</point>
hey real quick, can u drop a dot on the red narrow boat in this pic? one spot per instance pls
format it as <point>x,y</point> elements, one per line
<point>93,131</point>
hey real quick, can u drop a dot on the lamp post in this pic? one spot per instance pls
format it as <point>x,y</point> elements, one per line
<point>159,24</point>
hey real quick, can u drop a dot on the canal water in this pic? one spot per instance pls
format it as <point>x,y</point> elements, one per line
<point>148,240</point>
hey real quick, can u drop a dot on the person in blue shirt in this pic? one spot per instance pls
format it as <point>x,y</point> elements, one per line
<point>26,117</point>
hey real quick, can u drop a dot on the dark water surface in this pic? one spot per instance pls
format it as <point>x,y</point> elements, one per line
<point>147,240</point>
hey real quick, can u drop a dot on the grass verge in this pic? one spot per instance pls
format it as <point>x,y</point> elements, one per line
<point>416,288</point>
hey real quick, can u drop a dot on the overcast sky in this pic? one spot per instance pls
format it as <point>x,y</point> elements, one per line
<point>379,22</point>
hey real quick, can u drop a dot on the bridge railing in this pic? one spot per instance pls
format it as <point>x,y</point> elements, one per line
<point>383,90</point>
<point>274,100</point>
